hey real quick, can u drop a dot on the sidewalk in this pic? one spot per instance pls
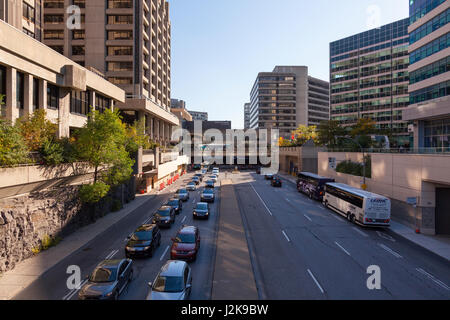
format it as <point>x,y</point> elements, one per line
<point>233,274</point>
<point>26,271</point>
<point>436,244</point>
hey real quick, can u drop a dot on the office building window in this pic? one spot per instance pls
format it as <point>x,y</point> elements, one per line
<point>120,80</point>
<point>52,96</point>
<point>20,93</point>
<point>53,18</point>
<point>113,4</point>
<point>28,12</point>
<point>120,66</point>
<point>79,102</point>
<point>59,49</point>
<point>78,34</point>
<point>78,50</point>
<point>53,34</point>
<point>120,51</point>
<point>35,94</point>
<point>120,19</point>
<point>101,102</point>
<point>80,3</point>
<point>54,4</point>
<point>437,134</point>
<point>120,35</point>
<point>3,89</point>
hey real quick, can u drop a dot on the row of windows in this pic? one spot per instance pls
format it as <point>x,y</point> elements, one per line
<point>429,27</point>
<point>419,8</point>
<point>120,19</point>
<point>430,70</point>
<point>28,12</point>
<point>429,93</point>
<point>430,48</point>
<point>120,51</point>
<point>113,4</point>
<point>53,3</point>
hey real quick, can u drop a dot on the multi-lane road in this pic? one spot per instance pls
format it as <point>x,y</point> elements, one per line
<point>298,249</point>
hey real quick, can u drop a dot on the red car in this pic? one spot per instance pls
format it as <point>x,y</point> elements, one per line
<point>186,244</point>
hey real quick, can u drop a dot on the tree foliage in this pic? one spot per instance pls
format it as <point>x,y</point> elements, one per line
<point>329,132</point>
<point>36,129</point>
<point>93,193</point>
<point>136,137</point>
<point>13,149</point>
<point>305,133</point>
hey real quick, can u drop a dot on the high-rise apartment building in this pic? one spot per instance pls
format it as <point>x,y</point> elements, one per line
<point>247,116</point>
<point>199,116</point>
<point>178,108</point>
<point>25,15</point>
<point>126,41</point>
<point>286,98</point>
<point>429,71</point>
<point>369,79</point>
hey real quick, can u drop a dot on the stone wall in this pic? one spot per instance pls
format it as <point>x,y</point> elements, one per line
<point>27,219</point>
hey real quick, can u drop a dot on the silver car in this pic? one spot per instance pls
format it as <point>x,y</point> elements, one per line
<point>207,195</point>
<point>173,282</point>
<point>191,186</point>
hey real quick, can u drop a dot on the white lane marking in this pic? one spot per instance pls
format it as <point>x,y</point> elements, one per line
<point>112,254</point>
<point>261,200</point>
<point>307,217</point>
<point>165,251</point>
<point>184,219</point>
<point>435,280</point>
<point>385,236</point>
<point>395,254</point>
<point>336,216</point>
<point>342,248</point>
<point>360,232</point>
<point>288,200</point>
<point>73,291</point>
<point>317,282</point>
<point>285,235</point>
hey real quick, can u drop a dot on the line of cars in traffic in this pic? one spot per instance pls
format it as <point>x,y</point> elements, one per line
<point>174,280</point>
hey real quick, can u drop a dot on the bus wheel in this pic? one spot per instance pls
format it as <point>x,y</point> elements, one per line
<point>325,203</point>
<point>352,218</point>
<point>349,216</point>
<point>310,195</point>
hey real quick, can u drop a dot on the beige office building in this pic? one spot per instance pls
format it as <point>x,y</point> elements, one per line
<point>25,15</point>
<point>129,43</point>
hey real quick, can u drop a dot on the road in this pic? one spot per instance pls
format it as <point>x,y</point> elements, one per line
<point>302,250</point>
<point>111,243</point>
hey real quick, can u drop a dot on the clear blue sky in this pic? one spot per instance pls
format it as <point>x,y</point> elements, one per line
<point>219,46</point>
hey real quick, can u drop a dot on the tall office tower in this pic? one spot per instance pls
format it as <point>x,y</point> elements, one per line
<point>369,79</point>
<point>127,41</point>
<point>286,98</point>
<point>247,116</point>
<point>429,71</point>
<point>199,116</point>
<point>25,15</point>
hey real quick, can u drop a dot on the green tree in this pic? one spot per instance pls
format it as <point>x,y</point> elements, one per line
<point>329,133</point>
<point>36,129</point>
<point>305,133</point>
<point>13,149</point>
<point>136,137</point>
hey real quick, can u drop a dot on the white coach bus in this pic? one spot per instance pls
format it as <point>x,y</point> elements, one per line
<point>358,206</point>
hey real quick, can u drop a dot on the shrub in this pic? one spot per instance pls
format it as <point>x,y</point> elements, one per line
<point>116,205</point>
<point>355,168</point>
<point>93,193</point>
<point>36,129</point>
<point>52,152</point>
<point>13,149</point>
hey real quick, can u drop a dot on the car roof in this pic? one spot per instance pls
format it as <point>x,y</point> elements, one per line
<point>165,208</point>
<point>207,190</point>
<point>173,268</point>
<point>190,182</point>
<point>110,263</point>
<point>146,227</point>
<point>173,199</point>
<point>187,229</point>
<point>202,203</point>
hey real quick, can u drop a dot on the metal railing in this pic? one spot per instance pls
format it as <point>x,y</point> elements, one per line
<point>437,151</point>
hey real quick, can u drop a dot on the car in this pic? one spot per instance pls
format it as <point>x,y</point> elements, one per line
<point>173,282</point>
<point>199,176</point>
<point>143,242</point>
<point>191,186</point>
<point>164,216</point>
<point>196,180</point>
<point>177,204</point>
<point>186,244</point>
<point>276,182</point>
<point>108,280</point>
<point>204,171</point>
<point>201,210</point>
<point>196,167</point>
<point>209,184</point>
<point>213,178</point>
<point>182,194</point>
<point>215,171</point>
<point>258,170</point>
<point>207,195</point>
<point>268,176</point>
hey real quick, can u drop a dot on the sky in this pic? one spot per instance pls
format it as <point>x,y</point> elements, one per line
<point>220,46</point>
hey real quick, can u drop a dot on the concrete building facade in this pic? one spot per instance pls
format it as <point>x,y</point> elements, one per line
<point>33,76</point>
<point>246,116</point>
<point>178,108</point>
<point>286,98</point>
<point>429,70</point>
<point>25,15</point>
<point>369,79</point>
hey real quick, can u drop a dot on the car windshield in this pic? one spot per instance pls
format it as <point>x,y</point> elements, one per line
<point>191,184</point>
<point>182,191</point>
<point>202,206</point>
<point>208,191</point>
<point>142,236</point>
<point>209,182</point>
<point>185,238</point>
<point>173,203</point>
<point>168,284</point>
<point>164,212</point>
<point>103,274</point>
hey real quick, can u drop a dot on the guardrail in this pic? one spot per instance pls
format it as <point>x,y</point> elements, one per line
<point>443,151</point>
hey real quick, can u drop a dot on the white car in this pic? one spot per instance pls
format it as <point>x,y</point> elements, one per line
<point>173,282</point>
<point>213,177</point>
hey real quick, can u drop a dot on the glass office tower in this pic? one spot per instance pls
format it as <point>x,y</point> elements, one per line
<point>369,79</point>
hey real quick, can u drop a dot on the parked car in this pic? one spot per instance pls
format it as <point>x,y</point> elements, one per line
<point>186,244</point>
<point>173,282</point>
<point>199,176</point>
<point>207,195</point>
<point>204,171</point>
<point>182,194</point>
<point>191,186</point>
<point>268,176</point>
<point>276,182</point>
<point>164,217</point>
<point>201,210</point>
<point>196,180</point>
<point>175,203</point>
<point>143,242</point>
<point>108,280</point>
<point>215,171</point>
<point>209,184</point>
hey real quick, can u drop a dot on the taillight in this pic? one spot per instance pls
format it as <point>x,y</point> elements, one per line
<point>368,220</point>
<point>386,221</point>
